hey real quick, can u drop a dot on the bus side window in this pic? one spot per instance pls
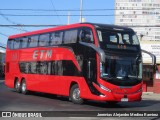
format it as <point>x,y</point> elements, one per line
<point>86,35</point>
<point>125,39</point>
<point>24,67</point>
<point>113,38</point>
<point>56,38</point>
<point>16,43</point>
<point>43,68</point>
<point>44,39</point>
<point>10,44</point>
<point>70,36</point>
<point>24,42</point>
<point>57,68</point>
<point>33,41</point>
<point>49,67</point>
<point>33,67</point>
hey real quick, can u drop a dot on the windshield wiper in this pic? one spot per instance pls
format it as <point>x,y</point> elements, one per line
<point>131,76</point>
<point>124,77</point>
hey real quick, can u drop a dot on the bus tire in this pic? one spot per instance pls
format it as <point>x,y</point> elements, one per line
<point>24,87</point>
<point>75,95</point>
<point>17,86</point>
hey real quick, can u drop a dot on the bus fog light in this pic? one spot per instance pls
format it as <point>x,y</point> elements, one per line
<point>102,95</point>
<point>104,88</point>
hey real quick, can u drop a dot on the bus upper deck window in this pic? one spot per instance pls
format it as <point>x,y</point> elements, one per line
<point>86,35</point>
<point>33,41</point>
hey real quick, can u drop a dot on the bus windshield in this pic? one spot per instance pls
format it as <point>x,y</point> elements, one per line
<point>118,39</point>
<point>122,70</point>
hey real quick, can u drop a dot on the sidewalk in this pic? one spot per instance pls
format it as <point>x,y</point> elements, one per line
<point>150,96</point>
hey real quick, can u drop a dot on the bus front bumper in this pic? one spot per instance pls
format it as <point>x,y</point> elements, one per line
<point>116,93</point>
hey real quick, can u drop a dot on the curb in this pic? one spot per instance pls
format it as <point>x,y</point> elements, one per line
<point>147,93</point>
<point>150,96</point>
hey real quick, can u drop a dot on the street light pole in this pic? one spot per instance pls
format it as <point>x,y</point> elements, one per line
<point>81,3</point>
<point>68,18</point>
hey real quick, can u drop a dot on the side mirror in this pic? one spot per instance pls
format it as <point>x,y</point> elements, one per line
<point>153,58</point>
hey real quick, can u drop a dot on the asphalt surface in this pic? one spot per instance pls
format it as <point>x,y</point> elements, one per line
<point>12,101</point>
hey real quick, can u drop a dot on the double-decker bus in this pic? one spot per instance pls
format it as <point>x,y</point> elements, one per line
<point>83,61</point>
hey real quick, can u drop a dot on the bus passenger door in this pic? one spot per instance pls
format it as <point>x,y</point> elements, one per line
<point>89,66</point>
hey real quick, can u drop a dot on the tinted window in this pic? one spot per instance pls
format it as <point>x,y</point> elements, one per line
<point>44,40</point>
<point>60,68</point>
<point>70,36</point>
<point>123,40</point>
<point>65,67</point>
<point>24,42</point>
<point>33,67</point>
<point>16,43</point>
<point>43,67</point>
<point>49,67</point>
<point>117,37</point>
<point>56,38</point>
<point>69,69</point>
<point>86,35</point>
<point>57,68</point>
<point>24,67</point>
<point>10,44</point>
<point>33,41</point>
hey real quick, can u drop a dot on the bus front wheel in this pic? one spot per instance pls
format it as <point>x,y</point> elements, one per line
<point>75,95</point>
<point>24,87</point>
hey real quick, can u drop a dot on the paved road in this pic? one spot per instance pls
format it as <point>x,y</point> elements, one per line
<point>12,101</point>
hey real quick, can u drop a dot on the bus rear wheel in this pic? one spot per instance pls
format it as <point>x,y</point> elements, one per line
<point>24,87</point>
<point>17,86</point>
<point>75,95</point>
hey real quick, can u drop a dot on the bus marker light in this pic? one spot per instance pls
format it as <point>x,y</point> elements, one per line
<point>104,88</point>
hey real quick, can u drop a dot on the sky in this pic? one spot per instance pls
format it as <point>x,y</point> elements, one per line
<point>56,19</point>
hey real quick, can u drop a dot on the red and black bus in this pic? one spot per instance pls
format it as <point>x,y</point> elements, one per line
<point>83,61</point>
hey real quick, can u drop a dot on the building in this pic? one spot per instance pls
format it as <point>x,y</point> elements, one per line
<point>2,62</point>
<point>144,17</point>
<point>2,59</point>
<point>140,14</point>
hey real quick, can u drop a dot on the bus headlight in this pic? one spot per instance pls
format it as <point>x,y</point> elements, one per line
<point>104,88</point>
<point>140,90</point>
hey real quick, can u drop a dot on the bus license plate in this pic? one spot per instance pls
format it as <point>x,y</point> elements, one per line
<point>124,100</point>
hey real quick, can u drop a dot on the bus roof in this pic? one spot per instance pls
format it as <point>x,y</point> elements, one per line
<point>112,27</point>
<point>97,25</point>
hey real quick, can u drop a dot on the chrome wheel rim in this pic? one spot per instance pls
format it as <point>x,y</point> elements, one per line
<point>23,87</point>
<point>76,94</point>
<point>17,85</point>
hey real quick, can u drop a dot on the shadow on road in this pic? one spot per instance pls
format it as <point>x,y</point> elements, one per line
<point>139,104</point>
<point>1,78</point>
